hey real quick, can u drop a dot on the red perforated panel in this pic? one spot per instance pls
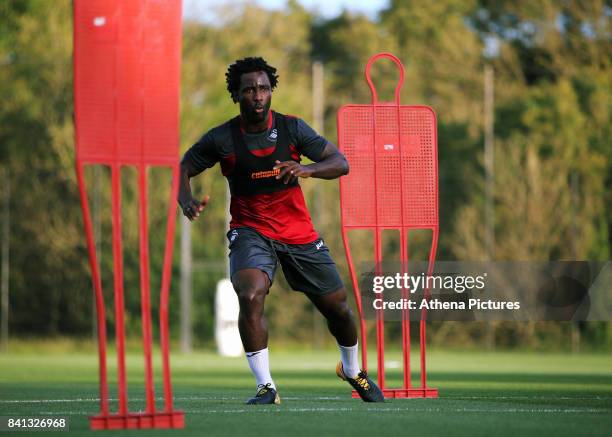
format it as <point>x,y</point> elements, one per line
<point>392,153</point>
<point>126,68</point>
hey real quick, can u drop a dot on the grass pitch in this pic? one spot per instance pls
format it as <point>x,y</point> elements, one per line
<point>480,394</point>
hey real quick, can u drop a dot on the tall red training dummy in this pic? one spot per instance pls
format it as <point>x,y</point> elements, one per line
<point>392,150</point>
<point>126,98</point>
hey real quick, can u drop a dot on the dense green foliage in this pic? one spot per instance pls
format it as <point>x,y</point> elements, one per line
<point>553,158</point>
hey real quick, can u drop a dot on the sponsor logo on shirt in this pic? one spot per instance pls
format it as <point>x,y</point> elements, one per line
<point>265,174</point>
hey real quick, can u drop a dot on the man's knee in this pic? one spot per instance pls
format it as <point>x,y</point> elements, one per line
<point>251,294</point>
<point>337,307</point>
<point>251,288</point>
<point>342,311</point>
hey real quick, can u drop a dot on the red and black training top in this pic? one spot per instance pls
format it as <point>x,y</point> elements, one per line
<point>259,200</point>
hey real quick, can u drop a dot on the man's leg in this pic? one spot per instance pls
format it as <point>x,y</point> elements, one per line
<point>309,268</point>
<point>252,286</point>
<point>334,307</point>
<point>341,324</point>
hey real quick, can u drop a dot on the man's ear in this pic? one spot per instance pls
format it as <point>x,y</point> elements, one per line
<point>235,96</point>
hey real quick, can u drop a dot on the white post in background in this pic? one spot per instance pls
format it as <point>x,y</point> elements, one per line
<point>4,287</point>
<point>227,309</point>
<point>186,275</point>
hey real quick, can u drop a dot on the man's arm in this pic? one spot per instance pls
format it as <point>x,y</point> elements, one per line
<point>202,155</point>
<point>332,165</point>
<point>190,206</point>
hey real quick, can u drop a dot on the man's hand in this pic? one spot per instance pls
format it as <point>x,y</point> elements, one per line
<point>290,170</point>
<point>193,208</point>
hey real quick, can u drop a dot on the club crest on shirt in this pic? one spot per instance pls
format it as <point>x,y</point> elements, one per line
<point>319,244</point>
<point>273,135</point>
<point>233,235</point>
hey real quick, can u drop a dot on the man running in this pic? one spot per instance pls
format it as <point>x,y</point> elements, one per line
<point>259,152</point>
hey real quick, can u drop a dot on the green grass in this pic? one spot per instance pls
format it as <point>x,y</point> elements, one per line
<point>480,394</point>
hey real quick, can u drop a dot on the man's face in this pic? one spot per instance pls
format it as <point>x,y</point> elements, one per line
<point>255,96</point>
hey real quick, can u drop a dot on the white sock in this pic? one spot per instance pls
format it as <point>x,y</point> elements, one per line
<point>260,366</point>
<point>350,359</point>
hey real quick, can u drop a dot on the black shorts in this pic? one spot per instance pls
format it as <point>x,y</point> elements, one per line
<point>308,268</point>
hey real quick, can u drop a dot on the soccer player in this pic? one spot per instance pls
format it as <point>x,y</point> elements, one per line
<point>259,152</point>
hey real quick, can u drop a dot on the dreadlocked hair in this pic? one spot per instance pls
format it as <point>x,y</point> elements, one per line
<point>248,65</point>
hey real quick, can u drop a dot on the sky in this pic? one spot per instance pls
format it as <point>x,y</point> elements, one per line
<point>200,9</point>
